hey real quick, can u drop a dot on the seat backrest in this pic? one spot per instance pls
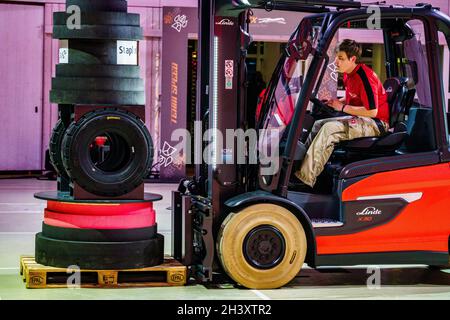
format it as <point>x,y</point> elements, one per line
<point>448,124</point>
<point>400,98</point>
<point>420,130</point>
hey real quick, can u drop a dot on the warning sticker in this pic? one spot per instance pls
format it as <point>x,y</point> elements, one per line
<point>228,83</point>
<point>229,74</point>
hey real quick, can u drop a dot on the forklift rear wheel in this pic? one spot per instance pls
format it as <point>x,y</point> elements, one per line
<point>262,247</point>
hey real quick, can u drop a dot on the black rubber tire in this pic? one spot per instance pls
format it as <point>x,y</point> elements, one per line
<point>99,255</point>
<point>120,178</point>
<point>82,57</point>
<point>127,98</point>
<point>99,5</point>
<point>91,235</point>
<point>97,71</point>
<point>88,51</point>
<point>55,148</point>
<point>57,196</point>
<point>98,84</point>
<point>98,32</point>
<point>100,18</point>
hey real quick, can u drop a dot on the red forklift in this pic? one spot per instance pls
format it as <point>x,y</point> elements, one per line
<point>380,200</point>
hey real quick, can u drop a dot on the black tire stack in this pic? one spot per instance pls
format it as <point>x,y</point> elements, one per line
<point>99,102</point>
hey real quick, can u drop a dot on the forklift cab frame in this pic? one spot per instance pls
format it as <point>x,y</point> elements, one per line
<point>319,59</point>
<point>214,213</point>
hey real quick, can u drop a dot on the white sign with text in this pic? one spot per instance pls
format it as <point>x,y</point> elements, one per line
<point>127,52</point>
<point>63,55</point>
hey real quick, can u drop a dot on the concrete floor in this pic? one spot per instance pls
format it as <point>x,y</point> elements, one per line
<point>21,217</point>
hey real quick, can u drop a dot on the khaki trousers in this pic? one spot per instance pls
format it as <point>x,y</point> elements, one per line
<point>324,135</point>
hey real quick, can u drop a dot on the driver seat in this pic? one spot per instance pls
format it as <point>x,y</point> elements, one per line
<point>400,99</point>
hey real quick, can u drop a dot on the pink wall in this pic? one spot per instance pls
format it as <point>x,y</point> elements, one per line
<point>21,89</point>
<point>131,3</point>
<point>149,53</point>
<point>149,59</point>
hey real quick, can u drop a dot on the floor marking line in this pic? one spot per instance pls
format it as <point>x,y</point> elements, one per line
<point>260,294</point>
<point>22,203</point>
<point>20,211</point>
<point>12,233</point>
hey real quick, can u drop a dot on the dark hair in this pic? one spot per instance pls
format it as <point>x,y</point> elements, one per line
<point>351,48</point>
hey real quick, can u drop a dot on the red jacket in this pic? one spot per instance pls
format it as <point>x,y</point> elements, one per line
<point>363,88</point>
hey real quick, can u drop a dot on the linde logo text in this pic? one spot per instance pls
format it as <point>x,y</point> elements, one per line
<point>225,22</point>
<point>370,211</point>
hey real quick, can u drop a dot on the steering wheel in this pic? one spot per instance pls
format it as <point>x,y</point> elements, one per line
<point>323,107</point>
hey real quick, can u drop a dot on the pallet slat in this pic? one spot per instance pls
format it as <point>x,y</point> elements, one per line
<point>171,273</point>
<point>22,266</point>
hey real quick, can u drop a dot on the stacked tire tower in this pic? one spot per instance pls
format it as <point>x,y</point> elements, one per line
<point>100,217</point>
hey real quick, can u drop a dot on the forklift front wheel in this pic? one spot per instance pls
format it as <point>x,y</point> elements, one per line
<point>262,247</point>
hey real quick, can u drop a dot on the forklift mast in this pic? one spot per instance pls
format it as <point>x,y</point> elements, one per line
<point>199,204</point>
<point>224,39</point>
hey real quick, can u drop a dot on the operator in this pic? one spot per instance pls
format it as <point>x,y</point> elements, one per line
<point>365,103</point>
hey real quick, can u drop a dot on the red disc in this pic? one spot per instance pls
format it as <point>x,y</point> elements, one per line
<point>98,209</point>
<point>100,141</point>
<point>138,219</point>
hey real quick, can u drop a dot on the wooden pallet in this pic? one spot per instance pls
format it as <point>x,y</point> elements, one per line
<point>171,273</point>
